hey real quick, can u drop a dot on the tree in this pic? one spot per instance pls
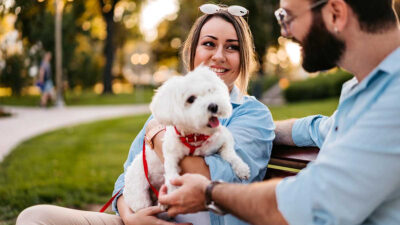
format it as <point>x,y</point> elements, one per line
<point>14,74</point>
<point>113,28</point>
<point>262,23</point>
<point>107,10</point>
<point>36,24</point>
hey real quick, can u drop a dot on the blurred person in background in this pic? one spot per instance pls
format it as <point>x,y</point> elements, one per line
<point>45,82</point>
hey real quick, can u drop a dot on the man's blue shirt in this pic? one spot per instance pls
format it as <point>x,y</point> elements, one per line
<point>356,176</point>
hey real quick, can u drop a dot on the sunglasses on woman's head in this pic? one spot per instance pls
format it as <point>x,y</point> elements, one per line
<point>234,10</point>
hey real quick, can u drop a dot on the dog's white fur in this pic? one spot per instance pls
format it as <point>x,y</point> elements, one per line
<point>170,107</point>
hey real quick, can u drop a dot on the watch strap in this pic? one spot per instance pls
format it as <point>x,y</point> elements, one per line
<point>209,189</point>
<point>210,204</point>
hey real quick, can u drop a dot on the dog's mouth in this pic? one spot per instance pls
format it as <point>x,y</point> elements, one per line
<point>213,122</point>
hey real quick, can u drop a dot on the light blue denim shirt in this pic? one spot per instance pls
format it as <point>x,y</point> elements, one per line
<point>252,127</point>
<point>356,176</point>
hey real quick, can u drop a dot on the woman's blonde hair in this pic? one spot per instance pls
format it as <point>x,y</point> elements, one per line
<point>248,61</point>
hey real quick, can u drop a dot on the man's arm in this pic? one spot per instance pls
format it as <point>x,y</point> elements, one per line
<point>255,203</point>
<point>283,132</point>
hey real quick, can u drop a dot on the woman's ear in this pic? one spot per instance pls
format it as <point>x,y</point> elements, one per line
<point>336,15</point>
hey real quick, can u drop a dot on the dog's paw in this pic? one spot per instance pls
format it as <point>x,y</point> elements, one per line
<point>242,171</point>
<point>163,207</point>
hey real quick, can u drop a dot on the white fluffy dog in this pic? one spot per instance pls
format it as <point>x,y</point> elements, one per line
<point>189,107</point>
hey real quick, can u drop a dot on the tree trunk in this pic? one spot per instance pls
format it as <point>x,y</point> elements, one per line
<point>109,53</point>
<point>109,47</point>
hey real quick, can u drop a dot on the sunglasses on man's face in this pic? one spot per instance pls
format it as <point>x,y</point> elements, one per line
<point>234,10</point>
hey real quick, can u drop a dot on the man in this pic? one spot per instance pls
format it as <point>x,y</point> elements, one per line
<point>355,179</point>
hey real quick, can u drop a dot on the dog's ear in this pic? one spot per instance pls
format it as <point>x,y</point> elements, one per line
<point>164,101</point>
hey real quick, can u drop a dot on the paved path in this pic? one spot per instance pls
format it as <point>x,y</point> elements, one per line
<point>27,122</point>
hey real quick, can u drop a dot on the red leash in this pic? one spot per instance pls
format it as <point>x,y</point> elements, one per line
<point>146,170</point>
<point>105,206</point>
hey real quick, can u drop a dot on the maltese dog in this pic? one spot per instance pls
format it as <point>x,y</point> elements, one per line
<point>189,106</point>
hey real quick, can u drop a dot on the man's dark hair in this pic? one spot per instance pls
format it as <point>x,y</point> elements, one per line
<point>374,16</point>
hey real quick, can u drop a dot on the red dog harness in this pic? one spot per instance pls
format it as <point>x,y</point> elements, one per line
<point>186,140</point>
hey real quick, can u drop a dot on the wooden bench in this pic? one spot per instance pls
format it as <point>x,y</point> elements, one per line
<point>289,160</point>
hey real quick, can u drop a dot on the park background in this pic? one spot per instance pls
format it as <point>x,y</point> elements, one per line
<point>116,52</point>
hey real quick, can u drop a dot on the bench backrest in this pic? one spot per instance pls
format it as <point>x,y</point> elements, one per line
<point>289,160</point>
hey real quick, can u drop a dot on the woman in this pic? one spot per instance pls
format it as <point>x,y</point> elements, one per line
<point>223,42</point>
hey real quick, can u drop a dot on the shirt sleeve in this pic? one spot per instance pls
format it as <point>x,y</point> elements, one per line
<point>252,128</point>
<point>353,176</point>
<point>135,149</point>
<point>311,130</point>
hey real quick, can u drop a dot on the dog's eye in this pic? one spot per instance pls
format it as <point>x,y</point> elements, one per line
<point>191,99</point>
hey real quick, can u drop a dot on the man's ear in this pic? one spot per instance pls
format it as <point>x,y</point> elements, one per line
<point>336,15</point>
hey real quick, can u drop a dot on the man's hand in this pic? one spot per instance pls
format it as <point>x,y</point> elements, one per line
<point>188,198</point>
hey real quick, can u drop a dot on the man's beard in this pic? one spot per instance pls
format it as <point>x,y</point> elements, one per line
<point>321,49</point>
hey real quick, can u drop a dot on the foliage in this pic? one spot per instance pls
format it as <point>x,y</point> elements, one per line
<point>14,74</point>
<point>178,28</point>
<point>262,23</point>
<point>325,85</point>
<point>85,76</point>
<point>261,84</point>
<point>36,24</point>
<point>84,37</point>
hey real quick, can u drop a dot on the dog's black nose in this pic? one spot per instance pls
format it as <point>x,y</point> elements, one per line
<point>213,108</point>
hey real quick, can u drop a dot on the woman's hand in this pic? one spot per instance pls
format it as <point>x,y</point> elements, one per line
<point>188,198</point>
<point>146,216</point>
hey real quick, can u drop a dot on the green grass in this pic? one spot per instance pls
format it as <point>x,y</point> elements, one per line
<point>78,165</point>
<point>71,167</point>
<point>301,109</point>
<point>85,98</point>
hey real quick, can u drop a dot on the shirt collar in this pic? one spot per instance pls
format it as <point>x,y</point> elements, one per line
<point>391,63</point>
<point>236,96</point>
<point>388,66</point>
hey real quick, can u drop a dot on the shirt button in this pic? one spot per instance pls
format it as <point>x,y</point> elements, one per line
<point>336,128</point>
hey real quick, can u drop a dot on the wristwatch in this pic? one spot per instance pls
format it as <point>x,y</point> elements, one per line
<point>210,204</point>
<point>148,138</point>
